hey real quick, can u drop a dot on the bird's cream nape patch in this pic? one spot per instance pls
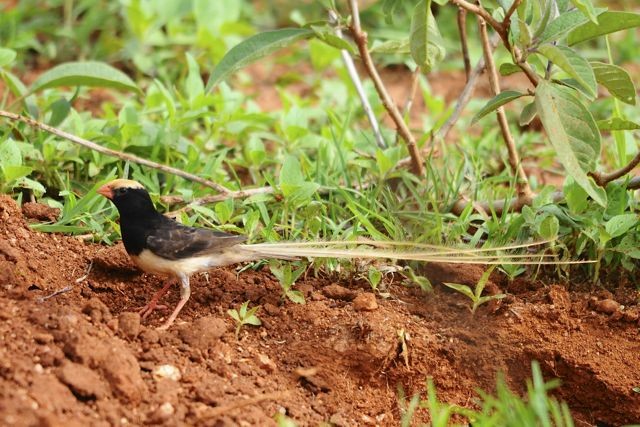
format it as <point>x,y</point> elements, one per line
<point>151,263</point>
<point>124,183</point>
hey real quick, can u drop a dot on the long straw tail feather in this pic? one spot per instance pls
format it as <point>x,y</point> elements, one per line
<point>367,249</point>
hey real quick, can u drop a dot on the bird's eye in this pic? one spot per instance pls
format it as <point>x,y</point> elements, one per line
<point>120,191</point>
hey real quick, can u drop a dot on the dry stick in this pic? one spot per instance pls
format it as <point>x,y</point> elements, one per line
<point>408,103</point>
<point>360,37</point>
<point>357,83</point>
<point>172,200</point>
<point>463,100</point>
<point>462,29</point>
<point>113,153</point>
<point>222,410</point>
<point>502,30</point>
<point>602,178</point>
<point>522,182</point>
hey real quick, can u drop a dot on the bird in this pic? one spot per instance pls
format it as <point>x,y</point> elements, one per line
<point>160,245</point>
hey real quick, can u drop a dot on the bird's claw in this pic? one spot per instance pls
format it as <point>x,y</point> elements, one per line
<point>145,311</point>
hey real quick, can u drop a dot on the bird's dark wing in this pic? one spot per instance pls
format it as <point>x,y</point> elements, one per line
<point>175,241</point>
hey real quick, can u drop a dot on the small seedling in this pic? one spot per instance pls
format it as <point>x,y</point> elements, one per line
<point>476,296</point>
<point>244,316</point>
<point>287,278</point>
<point>421,281</point>
<point>374,277</point>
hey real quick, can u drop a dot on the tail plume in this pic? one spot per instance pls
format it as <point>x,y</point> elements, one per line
<point>367,249</point>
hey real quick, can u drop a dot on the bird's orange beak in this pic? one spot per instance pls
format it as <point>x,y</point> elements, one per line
<point>106,191</point>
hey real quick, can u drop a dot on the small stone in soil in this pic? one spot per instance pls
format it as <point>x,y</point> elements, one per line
<point>82,381</point>
<point>204,333</point>
<point>338,292</point>
<point>365,302</point>
<point>129,324</point>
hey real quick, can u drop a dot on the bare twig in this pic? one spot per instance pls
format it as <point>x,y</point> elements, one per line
<point>357,83</point>
<point>56,293</point>
<point>113,153</point>
<point>483,13</point>
<point>222,410</point>
<point>463,100</point>
<point>524,191</point>
<point>602,178</point>
<point>360,37</point>
<point>511,11</point>
<point>462,29</point>
<point>172,200</point>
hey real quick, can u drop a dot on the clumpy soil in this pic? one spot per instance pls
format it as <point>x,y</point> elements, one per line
<point>84,357</point>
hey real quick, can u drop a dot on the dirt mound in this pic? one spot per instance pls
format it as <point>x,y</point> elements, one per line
<point>83,357</point>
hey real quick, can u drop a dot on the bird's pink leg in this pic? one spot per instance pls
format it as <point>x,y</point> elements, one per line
<point>153,305</point>
<point>185,293</point>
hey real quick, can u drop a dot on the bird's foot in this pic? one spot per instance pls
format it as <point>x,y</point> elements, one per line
<point>152,306</point>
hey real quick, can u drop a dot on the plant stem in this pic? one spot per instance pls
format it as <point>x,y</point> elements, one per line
<point>522,184</point>
<point>360,37</point>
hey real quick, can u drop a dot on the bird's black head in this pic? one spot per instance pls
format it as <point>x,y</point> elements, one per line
<point>130,197</point>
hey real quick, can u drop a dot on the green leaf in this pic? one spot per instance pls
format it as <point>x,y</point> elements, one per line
<point>291,173</point>
<point>549,227</point>
<point>296,296</point>
<point>528,114</point>
<point>563,24</point>
<point>13,172</point>
<point>608,22</point>
<point>616,123</point>
<point>498,101</point>
<point>391,46</point>
<point>507,68</point>
<point>572,132</point>
<point>10,153</point>
<point>575,196</point>
<point>463,289</point>
<point>586,7</point>
<point>326,35</point>
<point>573,64</point>
<point>59,111</point>
<point>90,73</point>
<point>425,42</point>
<point>616,80</point>
<point>254,48</point>
<point>6,56</point>
<point>620,224</point>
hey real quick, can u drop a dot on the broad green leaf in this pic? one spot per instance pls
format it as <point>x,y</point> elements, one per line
<point>400,46</point>
<point>425,42</point>
<point>548,227</point>
<point>497,102</point>
<point>573,133</point>
<point>608,22</point>
<point>620,224</point>
<point>19,90</point>
<point>59,111</point>
<point>13,172</point>
<point>296,296</point>
<point>575,196</point>
<point>528,114</point>
<point>616,123</point>
<point>254,48</point>
<point>544,19</point>
<point>326,35</point>
<point>291,172</point>
<point>30,184</point>
<point>507,68</point>
<point>586,7</point>
<point>573,64</point>
<point>563,24</point>
<point>90,73</point>
<point>6,56</point>
<point>616,80</point>
<point>10,153</point>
